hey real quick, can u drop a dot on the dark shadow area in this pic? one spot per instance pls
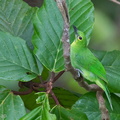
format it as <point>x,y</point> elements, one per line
<point>34,3</point>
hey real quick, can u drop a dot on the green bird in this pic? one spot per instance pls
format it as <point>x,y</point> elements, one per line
<point>89,66</point>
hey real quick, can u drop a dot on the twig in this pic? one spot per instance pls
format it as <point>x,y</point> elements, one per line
<point>102,107</point>
<point>23,93</point>
<point>91,87</point>
<point>49,84</point>
<point>52,76</point>
<point>54,97</point>
<point>115,1</point>
<point>58,75</point>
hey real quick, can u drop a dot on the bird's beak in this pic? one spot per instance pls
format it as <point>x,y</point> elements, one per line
<point>76,31</point>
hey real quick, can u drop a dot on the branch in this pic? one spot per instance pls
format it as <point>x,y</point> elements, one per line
<point>115,1</point>
<point>92,87</point>
<point>49,84</point>
<point>22,93</point>
<point>102,107</point>
<point>57,76</point>
<point>65,38</point>
<point>54,97</point>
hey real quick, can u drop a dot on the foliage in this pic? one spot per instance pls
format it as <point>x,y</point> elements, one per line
<point>92,109</point>
<point>28,62</point>
<point>11,106</point>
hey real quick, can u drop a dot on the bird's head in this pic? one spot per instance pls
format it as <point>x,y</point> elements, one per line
<point>80,37</point>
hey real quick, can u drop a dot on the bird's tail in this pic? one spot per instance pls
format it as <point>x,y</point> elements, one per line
<point>104,87</point>
<point>108,96</point>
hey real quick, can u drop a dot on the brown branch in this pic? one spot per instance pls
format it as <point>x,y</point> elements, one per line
<point>23,93</point>
<point>115,1</point>
<point>49,84</point>
<point>66,53</point>
<point>102,107</point>
<point>65,38</point>
<point>58,76</point>
<point>54,97</point>
<point>91,87</point>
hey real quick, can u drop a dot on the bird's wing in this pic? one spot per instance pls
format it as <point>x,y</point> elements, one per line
<point>88,61</point>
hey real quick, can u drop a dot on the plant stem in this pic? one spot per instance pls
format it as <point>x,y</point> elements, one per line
<point>54,97</point>
<point>58,76</point>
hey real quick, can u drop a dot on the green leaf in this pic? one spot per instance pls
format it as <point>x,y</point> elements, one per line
<point>66,114</point>
<point>82,16</point>
<point>48,25</point>
<point>16,60</point>
<point>41,112</point>
<point>111,62</point>
<point>11,106</point>
<point>88,104</point>
<point>15,18</point>
<point>48,29</point>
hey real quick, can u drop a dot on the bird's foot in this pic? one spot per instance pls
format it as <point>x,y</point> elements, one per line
<point>79,72</point>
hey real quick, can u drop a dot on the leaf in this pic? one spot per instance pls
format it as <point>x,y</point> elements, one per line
<point>48,25</point>
<point>66,114</point>
<point>11,106</point>
<point>15,18</point>
<point>65,98</point>
<point>16,60</point>
<point>82,16</point>
<point>88,104</point>
<point>48,29</point>
<point>111,62</point>
<point>41,112</point>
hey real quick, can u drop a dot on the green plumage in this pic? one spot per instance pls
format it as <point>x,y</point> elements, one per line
<point>84,60</point>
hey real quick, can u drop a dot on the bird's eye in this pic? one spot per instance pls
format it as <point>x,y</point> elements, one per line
<point>80,38</point>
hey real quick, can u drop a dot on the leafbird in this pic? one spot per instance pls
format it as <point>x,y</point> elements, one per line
<point>89,66</point>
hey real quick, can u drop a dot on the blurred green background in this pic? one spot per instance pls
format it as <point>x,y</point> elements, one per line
<point>106,33</point>
<point>105,36</point>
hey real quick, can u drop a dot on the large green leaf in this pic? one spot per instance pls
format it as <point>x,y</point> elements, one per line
<point>48,26</point>
<point>16,60</point>
<point>88,104</point>
<point>11,106</point>
<point>41,112</point>
<point>81,15</point>
<point>15,18</point>
<point>111,62</point>
<point>66,114</point>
